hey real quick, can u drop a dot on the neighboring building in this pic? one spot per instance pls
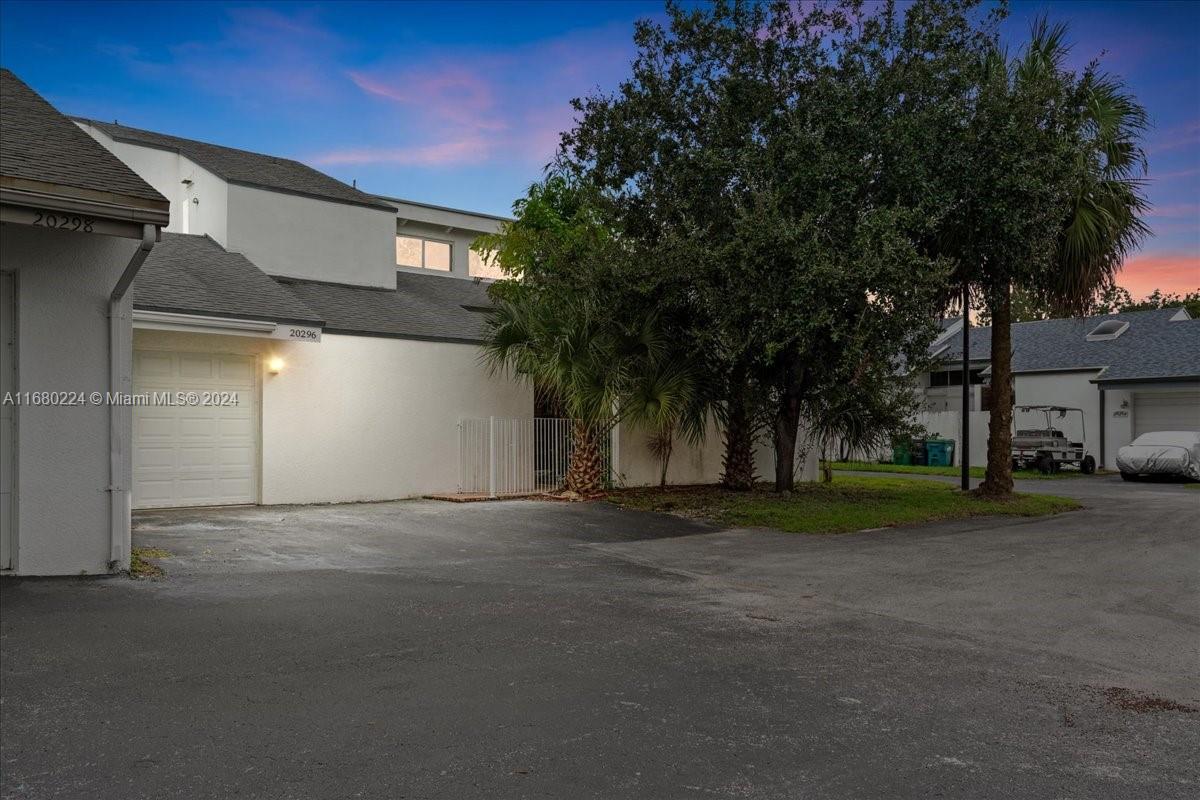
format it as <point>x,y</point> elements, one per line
<point>347,324</point>
<point>75,225</point>
<point>1130,373</point>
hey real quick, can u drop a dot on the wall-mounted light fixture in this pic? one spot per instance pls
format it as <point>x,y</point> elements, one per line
<point>274,365</point>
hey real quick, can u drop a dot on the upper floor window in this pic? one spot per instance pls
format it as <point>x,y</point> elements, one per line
<point>480,267</point>
<point>413,251</point>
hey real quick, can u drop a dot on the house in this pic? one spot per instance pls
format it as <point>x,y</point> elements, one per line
<point>1130,373</point>
<point>276,336</point>
<point>76,225</point>
<point>345,324</point>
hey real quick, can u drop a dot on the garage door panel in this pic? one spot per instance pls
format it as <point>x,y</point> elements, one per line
<point>195,454</point>
<point>153,365</point>
<point>192,366</point>
<point>1165,411</point>
<point>235,456</point>
<point>148,457</point>
<point>237,372</point>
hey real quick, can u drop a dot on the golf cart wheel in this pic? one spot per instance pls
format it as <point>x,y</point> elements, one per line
<point>1044,464</point>
<point>1128,476</point>
<point>1088,465</point>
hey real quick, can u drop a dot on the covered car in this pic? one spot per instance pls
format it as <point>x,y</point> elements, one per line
<point>1161,453</point>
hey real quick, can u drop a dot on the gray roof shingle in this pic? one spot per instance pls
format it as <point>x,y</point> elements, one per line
<point>245,167</point>
<point>431,307</point>
<point>1152,347</point>
<point>37,143</point>
<point>194,274</point>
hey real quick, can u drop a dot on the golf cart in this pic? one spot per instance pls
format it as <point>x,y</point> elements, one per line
<point>1047,449</point>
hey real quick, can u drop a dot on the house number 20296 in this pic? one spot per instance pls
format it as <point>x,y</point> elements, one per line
<point>63,221</point>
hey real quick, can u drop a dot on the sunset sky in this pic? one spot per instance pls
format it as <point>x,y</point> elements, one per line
<point>461,104</point>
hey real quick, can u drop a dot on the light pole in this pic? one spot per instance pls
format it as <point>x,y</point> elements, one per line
<point>966,387</point>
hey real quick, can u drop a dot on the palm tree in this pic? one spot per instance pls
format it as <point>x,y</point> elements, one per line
<point>601,365</point>
<point>1102,220</point>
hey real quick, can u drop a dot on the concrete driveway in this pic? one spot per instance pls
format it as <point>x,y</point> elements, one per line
<point>530,649</point>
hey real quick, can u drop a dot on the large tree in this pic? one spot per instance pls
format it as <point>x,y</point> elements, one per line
<point>742,157</point>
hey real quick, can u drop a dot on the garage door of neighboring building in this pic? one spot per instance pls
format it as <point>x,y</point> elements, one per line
<point>1165,411</point>
<point>195,454</point>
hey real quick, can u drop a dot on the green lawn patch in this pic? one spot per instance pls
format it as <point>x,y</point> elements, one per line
<point>850,503</point>
<point>954,472</point>
<point>140,565</point>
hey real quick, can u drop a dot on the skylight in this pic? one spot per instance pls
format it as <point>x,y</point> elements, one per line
<point>1109,329</point>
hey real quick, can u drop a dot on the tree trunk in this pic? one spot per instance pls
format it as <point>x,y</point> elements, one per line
<point>998,481</point>
<point>667,447</point>
<point>738,462</point>
<point>787,425</point>
<point>585,470</point>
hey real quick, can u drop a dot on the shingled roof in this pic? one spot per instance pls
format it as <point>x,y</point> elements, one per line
<point>37,143</point>
<point>195,275</point>
<point>1153,347</point>
<point>244,167</point>
<point>430,307</point>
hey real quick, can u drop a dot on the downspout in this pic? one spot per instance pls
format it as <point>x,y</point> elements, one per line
<point>119,344</point>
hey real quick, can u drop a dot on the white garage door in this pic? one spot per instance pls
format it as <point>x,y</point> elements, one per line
<point>1166,411</point>
<point>195,454</point>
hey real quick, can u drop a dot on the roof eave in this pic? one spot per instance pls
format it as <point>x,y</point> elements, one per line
<point>45,196</point>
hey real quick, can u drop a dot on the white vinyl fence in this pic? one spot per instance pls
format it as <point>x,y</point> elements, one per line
<point>525,455</point>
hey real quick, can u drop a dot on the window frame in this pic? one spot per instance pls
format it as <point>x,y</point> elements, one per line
<point>424,259</point>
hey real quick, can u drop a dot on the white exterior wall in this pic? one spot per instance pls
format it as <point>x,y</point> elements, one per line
<point>356,418</point>
<point>200,207</point>
<point>301,237</point>
<point>1072,389</point>
<point>1118,424</point>
<point>688,465</point>
<point>62,452</point>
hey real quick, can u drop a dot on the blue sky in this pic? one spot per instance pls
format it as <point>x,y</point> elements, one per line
<point>460,104</point>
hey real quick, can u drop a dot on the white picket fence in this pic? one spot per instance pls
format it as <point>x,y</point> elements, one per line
<point>515,456</point>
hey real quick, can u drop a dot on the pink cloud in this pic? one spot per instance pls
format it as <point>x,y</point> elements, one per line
<point>1177,210</point>
<point>465,151</point>
<point>1171,272</point>
<point>1169,176</point>
<point>1178,136</point>
<point>450,96</point>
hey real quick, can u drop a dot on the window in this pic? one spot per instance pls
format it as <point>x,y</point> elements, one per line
<point>1109,329</point>
<point>953,377</point>
<point>412,251</point>
<point>479,267</point>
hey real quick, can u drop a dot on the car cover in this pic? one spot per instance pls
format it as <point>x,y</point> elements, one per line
<point>1162,453</point>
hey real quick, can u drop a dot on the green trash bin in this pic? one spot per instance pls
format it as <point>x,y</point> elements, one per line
<point>902,452</point>
<point>940,452</point>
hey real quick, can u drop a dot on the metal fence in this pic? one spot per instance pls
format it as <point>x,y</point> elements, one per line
<point>525,455</point>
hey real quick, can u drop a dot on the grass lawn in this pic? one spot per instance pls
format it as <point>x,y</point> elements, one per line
<point>850,503</point>
<point>976,472</point>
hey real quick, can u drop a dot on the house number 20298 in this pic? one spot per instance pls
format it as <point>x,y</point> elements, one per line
<point>63,221</point>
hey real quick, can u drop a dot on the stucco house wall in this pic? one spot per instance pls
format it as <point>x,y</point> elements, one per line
<point>1071,389</point>
<point>689,464</point>
<point>356,418</point>
<point>199,207</point>
<point>302,237</point>
<point>63,281</point>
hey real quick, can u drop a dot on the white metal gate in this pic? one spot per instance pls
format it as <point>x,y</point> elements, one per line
<point>525,455</point>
